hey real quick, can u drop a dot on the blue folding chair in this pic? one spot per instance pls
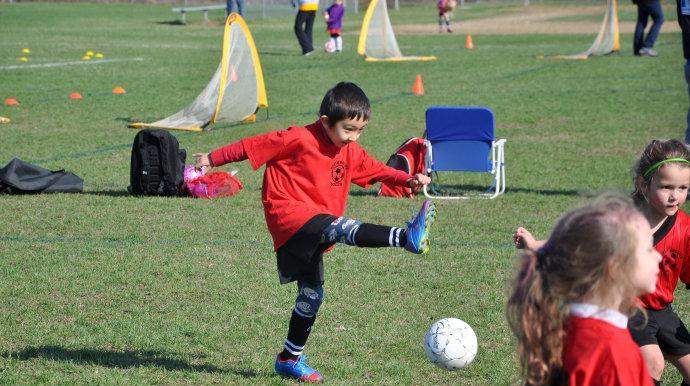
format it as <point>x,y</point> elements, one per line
<point>461,139</point>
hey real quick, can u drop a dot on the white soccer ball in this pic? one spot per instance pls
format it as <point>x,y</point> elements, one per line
<point>450,344</point>
<point>329,46</point>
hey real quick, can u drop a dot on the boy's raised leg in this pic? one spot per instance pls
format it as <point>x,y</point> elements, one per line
<point>418,229</point>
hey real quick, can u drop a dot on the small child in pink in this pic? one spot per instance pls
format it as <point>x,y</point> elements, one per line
<point>445,12</point>
<point>334,23</point>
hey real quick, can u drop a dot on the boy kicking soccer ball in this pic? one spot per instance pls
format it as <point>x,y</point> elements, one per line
<point>305,189</point>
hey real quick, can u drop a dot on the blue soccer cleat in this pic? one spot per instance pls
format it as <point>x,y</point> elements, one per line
<point>418,229</point>
<point>298,369</point>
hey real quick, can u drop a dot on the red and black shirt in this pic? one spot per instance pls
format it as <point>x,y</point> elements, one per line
<point>671,241</point>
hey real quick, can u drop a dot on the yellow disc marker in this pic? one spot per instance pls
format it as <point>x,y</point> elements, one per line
<point>99,55</point>
<point>4,120</point>
<point>26,51</point>
<point>23,59</point>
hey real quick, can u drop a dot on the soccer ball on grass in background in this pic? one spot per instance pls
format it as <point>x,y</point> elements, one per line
<point>329,46</point>
<point>450,344</point>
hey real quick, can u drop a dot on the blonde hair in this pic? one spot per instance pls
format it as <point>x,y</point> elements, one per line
<point>588,248</point>
<point>656,151</point>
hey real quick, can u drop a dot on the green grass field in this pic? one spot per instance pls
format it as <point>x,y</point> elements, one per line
<point>103,288</point>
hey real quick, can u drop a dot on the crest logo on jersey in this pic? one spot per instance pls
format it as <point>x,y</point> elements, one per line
<point>338,172</point>
<point>669,260</point>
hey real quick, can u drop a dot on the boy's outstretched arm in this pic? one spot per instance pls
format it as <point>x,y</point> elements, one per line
<point>418,180</point>
<point>231,153</point>
<point>371,171</point>
<point>523,239</point>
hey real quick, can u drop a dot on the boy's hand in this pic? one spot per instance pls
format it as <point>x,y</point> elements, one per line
<point>201,160</point>
<point>418,180</point>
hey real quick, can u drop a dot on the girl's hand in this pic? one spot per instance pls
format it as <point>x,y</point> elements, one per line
<point>523,239</point>
<point>418,180</point>
<point>201,160</point>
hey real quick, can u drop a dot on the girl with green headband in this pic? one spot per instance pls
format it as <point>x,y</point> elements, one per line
<point>661,178</point>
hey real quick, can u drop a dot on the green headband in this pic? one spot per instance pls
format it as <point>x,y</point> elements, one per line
<point>658,164</point>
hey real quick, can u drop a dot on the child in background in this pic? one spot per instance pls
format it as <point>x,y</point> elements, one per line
<point>334,23</point>
<point>661,180</point>
<point>571,298</point>
<point>445,13</point>
<point>306,183</point>
<point>683,9</point>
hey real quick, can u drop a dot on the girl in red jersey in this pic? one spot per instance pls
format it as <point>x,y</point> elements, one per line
<point>571,297</point>
<point>661,179</point>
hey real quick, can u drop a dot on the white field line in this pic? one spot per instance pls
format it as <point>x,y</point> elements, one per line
<point>72,63</point>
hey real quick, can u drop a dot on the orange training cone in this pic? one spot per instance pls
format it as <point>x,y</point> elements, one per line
<point>11,102</point>
<point>418,88</point>
<point>468,43</point>
<point>119,90</point>
<point>75,95</point>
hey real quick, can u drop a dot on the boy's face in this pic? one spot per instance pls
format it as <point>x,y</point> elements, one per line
<point>344,131</point>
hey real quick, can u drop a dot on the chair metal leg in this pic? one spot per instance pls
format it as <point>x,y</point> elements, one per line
<point>439,197</point>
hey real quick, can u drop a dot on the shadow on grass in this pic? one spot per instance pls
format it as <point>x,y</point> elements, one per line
<point>364,193</point>
<point>474,189</point>
<point>281,53</point>
<point>123,360</point>
<point>109,193</point>
<point>171,22</point>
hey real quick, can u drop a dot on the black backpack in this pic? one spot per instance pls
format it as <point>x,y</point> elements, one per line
<point>157,164</point>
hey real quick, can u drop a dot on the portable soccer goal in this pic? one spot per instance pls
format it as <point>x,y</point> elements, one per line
<point>377,40</point>
<point>235,92</point>
<point>608,38</point>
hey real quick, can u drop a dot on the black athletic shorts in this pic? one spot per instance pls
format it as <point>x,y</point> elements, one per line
<point>301,257</point>
<point>664,328</point>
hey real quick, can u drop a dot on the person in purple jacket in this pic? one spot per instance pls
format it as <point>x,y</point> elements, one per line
<point>334,23</point>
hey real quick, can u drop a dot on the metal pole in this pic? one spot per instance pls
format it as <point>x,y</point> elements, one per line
<point>397,5</point>
<point>356,6</point>
<point>462,3</point>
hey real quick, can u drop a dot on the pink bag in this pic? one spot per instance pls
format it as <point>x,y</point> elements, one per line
<point>211,185</point>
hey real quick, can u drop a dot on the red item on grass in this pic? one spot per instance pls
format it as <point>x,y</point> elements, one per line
<point>214,185</point>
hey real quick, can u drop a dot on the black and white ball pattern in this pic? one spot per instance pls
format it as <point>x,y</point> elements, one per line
<point>450,344</point>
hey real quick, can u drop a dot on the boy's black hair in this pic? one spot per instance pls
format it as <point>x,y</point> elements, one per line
<point>345,101</point>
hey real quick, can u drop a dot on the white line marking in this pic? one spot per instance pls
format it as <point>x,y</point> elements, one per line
<point>62,64</point>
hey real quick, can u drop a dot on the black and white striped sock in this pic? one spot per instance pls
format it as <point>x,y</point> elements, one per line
<point>376,236</point>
